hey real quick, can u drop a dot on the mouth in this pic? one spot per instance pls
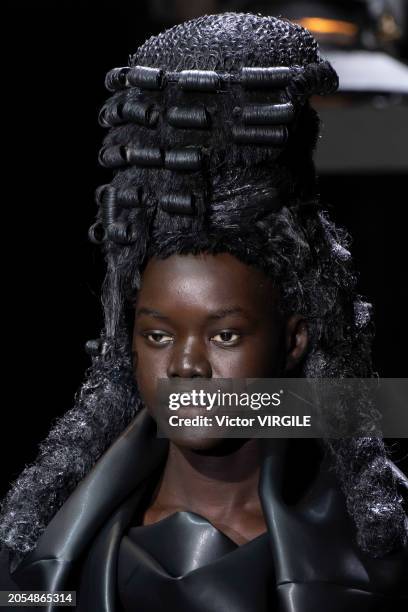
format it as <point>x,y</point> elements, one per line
<point>191,410</point>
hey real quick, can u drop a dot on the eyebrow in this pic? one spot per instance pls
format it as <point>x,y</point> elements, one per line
<point>150,312</point>
<point>219,314</point>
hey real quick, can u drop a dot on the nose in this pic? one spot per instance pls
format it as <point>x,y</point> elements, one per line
<point>189,360</point>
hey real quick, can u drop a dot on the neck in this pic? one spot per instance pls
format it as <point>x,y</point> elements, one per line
<point>211,483</point>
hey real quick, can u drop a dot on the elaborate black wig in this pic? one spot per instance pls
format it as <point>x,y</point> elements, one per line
<point>212,137</point>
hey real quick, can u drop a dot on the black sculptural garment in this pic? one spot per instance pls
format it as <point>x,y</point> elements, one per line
<point>211,138</point>
<point>314,563</point>
<point>208,570</point>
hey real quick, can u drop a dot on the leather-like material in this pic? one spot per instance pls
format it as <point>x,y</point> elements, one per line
<point>207,572</point>
<point>319,527</point>
<point>328,597</point>
<point>92,519</point>
<point>312,542</point>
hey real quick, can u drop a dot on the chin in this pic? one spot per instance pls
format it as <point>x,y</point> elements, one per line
<point>196,442</point>
<point>208,446</point>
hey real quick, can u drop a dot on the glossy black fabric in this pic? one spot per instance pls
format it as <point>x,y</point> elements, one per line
<point>184,563</point>
<point>317,563</point>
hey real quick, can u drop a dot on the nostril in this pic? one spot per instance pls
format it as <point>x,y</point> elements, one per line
<point>183,367</point>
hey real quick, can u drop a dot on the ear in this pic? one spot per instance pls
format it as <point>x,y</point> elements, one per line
<point>297,340</point>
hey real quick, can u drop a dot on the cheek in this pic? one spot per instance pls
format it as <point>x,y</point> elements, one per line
<point>258,357</point>
<point>149,366</point>
<point>270,356</point>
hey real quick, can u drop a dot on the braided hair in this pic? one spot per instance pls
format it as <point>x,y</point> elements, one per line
<point>211,137</point>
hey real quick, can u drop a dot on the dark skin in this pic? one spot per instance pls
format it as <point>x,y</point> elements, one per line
<point>211,316</point>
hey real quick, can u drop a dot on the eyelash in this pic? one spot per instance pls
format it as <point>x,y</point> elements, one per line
<point>148,335</point>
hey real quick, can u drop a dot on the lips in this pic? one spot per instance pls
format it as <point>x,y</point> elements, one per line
<point>190,409</point>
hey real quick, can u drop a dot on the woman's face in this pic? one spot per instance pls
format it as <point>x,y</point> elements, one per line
<point>209,316</point>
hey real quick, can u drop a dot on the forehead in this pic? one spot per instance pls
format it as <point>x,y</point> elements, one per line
<point>207,279</point>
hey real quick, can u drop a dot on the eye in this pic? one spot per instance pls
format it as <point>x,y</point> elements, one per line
<point>158,338</point>
<point>226,338</point>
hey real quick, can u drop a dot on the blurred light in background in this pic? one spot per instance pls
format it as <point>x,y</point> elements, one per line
<point>345,31</point>
<point>360,38</point>
<point>365,125</point>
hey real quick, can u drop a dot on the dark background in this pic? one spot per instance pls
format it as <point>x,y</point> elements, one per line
<point>57,57</point>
